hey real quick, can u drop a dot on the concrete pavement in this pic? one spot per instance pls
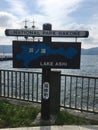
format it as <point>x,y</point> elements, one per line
<point>94,127</point>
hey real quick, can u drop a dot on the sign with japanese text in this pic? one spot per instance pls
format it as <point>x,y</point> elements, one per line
<point>46,90</point>
<point>28,54</point>
<point>46,33</point>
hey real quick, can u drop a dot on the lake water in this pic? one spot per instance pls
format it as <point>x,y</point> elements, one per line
<point>89,66</point>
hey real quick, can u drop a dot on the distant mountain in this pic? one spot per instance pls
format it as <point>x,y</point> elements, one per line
<point>91,51</point>
<point>5,49</point>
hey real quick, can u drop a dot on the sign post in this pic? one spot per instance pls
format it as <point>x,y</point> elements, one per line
<point>45,105</point>
<point>47,55</point>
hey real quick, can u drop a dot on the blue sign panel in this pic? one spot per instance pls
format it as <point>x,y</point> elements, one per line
<point>27,54</point>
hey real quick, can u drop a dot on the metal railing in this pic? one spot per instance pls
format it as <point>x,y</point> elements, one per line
<point>77,92</point>
<point>22,85</point>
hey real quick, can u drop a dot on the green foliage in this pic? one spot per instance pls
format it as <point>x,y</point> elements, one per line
<point>16,116</point>
<point>64,118</point>
<point>23,116</point>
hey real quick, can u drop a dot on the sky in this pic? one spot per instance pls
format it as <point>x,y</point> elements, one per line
<point>62,14</point>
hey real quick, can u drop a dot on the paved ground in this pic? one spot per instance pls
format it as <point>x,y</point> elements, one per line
<point>56,128</point>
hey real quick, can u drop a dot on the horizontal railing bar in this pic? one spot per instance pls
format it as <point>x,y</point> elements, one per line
<point>82,110</point>
<point>69,75</point>
<point>34,101</point>
<point>80,76</point>
<point>23,71</point>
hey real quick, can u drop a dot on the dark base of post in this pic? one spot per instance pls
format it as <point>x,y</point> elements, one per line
<point>45,114</point>
<point>51,106</point>
<point>55,81</point>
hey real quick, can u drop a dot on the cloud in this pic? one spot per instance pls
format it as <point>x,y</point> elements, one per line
<point>17,7</point>
<point>7,20</point>
<point>47,11</point>
<point>57,11</point>
<point>92,40</point>
<point>62,14</point>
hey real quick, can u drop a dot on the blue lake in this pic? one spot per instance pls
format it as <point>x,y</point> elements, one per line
<point>89,66</point>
